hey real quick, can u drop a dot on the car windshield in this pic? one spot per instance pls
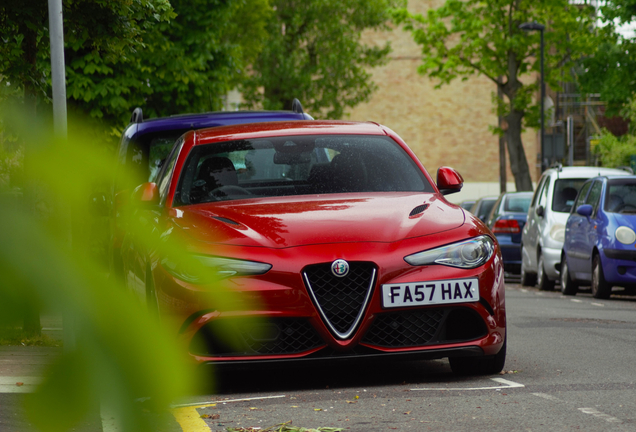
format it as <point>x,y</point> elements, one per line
<point>517,204</point>
<point>297,165</point>
<point>565,191</point>
<point>621,197</point>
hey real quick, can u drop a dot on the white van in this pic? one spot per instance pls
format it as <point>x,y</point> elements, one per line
<point>544,232</point>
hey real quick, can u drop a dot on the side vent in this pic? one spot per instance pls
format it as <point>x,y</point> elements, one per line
<point>418,210</point>
<point>226,220</point>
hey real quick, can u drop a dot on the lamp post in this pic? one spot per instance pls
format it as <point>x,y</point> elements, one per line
<point>532,26</point>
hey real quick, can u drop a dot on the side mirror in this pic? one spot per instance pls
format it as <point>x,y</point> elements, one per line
<point>540,211</point>
<point>146,193</point>
<point>585,210</point>
<point>449,181</point>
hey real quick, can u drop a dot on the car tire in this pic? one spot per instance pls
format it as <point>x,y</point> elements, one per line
<point>544,283</point>
<point>600,288</point>
<point>568,285</point>
<point>480,365</point>
<point>527,279</point>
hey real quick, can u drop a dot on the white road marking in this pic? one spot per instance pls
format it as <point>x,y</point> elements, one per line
<point>210,403</point>
<point>597,413</point>
<point>508,384</point>
<point>547,396</point>
<point>598,304</point>
<point>576,300</point>
<point>26,384</point>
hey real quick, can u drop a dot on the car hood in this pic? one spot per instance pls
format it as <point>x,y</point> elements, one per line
<point>623,219</point>
<point>303,220</point>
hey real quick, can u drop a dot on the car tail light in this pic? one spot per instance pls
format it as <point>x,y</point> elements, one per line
<point>506,226</point>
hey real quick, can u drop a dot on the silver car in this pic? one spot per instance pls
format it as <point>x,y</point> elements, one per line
<point>544,232</point>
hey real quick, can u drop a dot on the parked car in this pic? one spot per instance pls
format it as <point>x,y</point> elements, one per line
<point>483,206</point>
<point>358,256</point>
<point>467,204</point>
<point>544,231</point>
<point>600,242</point>
<point>145,144</point>
<point>506,221</point>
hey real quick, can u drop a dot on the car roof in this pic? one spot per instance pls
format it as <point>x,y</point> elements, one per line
<point>210,119</point>
<point>585,172</point>
<point>313,127</point>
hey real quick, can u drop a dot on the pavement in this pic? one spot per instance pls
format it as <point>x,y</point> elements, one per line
<point>22,367</point>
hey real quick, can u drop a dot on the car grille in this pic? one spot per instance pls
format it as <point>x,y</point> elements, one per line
<point>341,301</point>
<point>276,336</point>
<point>423,327</point>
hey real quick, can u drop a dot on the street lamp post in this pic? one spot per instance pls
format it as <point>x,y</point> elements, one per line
<point>532,26</point>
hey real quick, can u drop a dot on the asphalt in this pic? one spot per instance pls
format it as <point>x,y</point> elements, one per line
<point>22,367</point>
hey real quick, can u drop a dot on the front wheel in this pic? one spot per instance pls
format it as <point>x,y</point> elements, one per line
<point>600,288</point>
<point>568,285</point>
<point>544,283</point>
<point>527,279</point>
<point>480,365</point>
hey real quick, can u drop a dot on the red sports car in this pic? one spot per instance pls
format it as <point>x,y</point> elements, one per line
<point>334,241</point>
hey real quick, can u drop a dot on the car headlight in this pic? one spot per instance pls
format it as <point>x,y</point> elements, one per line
<point>557,232</point>
<point>625,235</point>
<point>467,254</point>
<point>202,268</point>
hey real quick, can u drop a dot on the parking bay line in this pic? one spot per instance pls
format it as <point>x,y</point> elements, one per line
<point>25,384</point>
<point>507,384</point>
<point>190,420</point>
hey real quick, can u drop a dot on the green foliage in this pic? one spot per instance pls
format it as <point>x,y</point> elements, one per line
<point>463,38</point>
<point>610,70</point>
<point>167,57</point>
<point>613,151</point>
<point>313,52</point>
<point>121,351</point>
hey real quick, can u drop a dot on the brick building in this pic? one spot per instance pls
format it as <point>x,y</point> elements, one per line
<point>444,127</point>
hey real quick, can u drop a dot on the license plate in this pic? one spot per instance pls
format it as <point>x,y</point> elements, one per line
<point>430,292</point>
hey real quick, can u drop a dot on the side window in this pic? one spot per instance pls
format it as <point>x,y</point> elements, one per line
<point>580,199</point>
<point>543,196</point>
<point>594,196</point>
<point>163,179</point>
<point>537,192</point>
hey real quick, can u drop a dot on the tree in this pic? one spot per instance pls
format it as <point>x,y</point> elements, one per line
<point>168,57</point>
<point>464,38</point>
<point>610,70</point>
<point>187,64</point>
<point>108,28</point>
<point>314,53</point>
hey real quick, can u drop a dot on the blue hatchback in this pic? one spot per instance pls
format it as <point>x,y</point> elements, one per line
<point>600,242</point>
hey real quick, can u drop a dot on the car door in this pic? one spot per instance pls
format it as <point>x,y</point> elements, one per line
<point>136,245</point>
<point>531,228</point>
<point>578,232</point>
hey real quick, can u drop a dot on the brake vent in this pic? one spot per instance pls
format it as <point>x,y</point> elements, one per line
<point>417,210</point>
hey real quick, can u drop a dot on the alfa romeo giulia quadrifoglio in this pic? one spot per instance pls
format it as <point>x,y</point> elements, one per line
<point>315,240</point>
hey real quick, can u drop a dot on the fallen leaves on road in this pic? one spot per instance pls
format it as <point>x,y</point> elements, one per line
<point>211,416</point>
<point>284,427</point>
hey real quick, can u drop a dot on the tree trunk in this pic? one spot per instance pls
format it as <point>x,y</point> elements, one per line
<point>517,155</point>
